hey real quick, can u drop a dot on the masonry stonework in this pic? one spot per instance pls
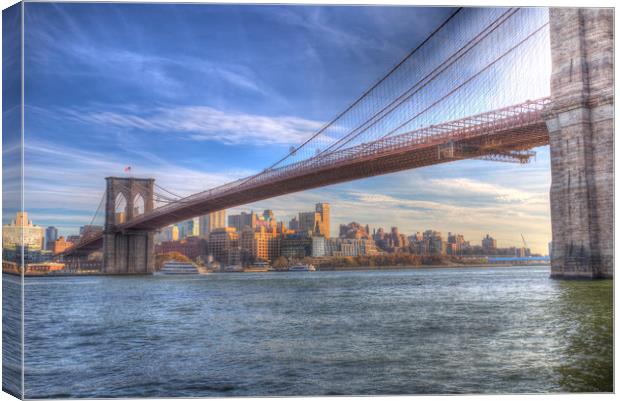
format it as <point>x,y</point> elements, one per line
<point>580,123</point>
<point>127,251</point>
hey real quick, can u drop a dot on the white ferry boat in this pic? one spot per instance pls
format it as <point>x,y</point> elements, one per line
<point>174,267</point>
<point>300,267</point>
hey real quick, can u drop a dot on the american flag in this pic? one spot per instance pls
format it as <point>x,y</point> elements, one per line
<point>128,169</point>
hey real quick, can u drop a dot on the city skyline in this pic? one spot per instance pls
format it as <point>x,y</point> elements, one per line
<point>253,112</point>
<point>195,229</point>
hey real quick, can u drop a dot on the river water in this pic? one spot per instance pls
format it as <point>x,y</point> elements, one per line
<point>419,331</point>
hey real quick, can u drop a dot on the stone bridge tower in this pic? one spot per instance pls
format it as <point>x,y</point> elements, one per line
<point>128,251</point>
<point>580,122</point>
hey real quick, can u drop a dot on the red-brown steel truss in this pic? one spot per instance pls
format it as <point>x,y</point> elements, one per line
<point>505,134</point>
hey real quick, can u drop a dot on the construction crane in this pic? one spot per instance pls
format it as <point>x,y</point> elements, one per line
<point>524,243</point>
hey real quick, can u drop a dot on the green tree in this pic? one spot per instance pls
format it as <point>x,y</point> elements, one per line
<point>280,263</point>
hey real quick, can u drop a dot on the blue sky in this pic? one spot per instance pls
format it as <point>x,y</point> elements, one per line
<point>198,95</point>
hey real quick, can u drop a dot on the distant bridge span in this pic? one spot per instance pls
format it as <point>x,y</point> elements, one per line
<point>505,135</point>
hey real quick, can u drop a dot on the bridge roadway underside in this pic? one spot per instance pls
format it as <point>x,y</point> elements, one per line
<point>438,150</point>
<point>533,135</point>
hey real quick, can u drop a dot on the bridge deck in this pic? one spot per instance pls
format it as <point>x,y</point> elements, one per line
<point>498,133</point>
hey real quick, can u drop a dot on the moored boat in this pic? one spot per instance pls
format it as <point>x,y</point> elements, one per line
<point>174,267</point>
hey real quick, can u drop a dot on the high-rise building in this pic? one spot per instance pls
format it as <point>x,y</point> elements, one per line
<point>350,247</point>
<point>436,244</point>
<point>174,233</point>
<point>489,244</point>
<point>192,247</point>
<point>309,222</point>
<point>223,245</point>
<point>210,222</point>
<point>398,240</point>
<point>169,233</point>
<point>268,215</point>
<point>293,224</point>
<point>296,246</point>
<point>393,241</point>
<point>266,220</point>
<point>430,242</point>
<point>316,223</point>
<point>243,219</point>
<point>254,244</point>
<point>189,228</point>
<point>59,245</point>
<point>324,226</point>
<point>353,230</point>
<point>456,244</point>
<point>318,246</point>
<point>418,236</point>
<point>22,232</point>
<point>51,235</point>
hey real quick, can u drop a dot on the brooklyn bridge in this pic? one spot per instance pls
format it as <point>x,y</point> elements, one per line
<point>487,83</point>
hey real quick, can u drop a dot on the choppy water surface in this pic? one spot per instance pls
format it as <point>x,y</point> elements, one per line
<point>474,330</point>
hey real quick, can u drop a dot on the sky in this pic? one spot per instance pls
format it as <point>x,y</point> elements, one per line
<point>198,95</point>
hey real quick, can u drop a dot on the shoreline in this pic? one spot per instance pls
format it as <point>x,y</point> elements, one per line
<point>332,269</point>
<point>442,266</point>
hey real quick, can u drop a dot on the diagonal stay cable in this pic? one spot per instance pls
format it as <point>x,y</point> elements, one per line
<point>359,99</point>
<point>419,85</point>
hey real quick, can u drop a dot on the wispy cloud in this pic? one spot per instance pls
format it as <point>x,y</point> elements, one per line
<point>317,22</point>
<point>469,187</point>
<point>505,221</point>
<point>164,74</point>
<point>205,123</point>
<point>58,176</point>
<point>384,206</point>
